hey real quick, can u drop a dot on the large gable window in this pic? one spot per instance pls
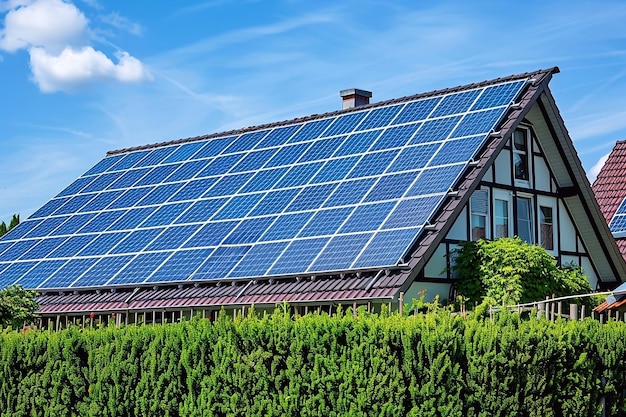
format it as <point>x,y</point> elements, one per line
<point>525,219</point>
<point>521,154</point>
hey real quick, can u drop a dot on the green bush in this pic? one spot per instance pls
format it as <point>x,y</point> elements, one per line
<point>434,364</point>
<point>510,271</point>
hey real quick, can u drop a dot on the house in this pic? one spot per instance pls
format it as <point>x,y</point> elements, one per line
<point>610,190</point>
<point>358,207</point>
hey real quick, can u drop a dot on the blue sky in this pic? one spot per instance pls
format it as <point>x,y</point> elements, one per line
<point>83,77</point>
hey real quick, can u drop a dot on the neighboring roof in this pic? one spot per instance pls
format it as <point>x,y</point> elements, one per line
<point>610,187</point>
<point>610,184</point>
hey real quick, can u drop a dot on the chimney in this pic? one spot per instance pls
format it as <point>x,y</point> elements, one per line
<point>353,97</point>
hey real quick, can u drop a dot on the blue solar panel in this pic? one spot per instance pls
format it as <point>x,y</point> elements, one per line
<point>173,237</point>
<point>326,222</point>
<point>340,252</point>
<point>335,169</point>
<point>350,192</point>
<point>417,110</point>
<point>221,261</point>
<point>373,164</point>
<point>258,260</point>
<point>155,157</point>
<point>129,178</point>
<point>128,160</point>
<point>311,130</point>
<point>246,141</point>
<point>73,224</point>
<point>49,207</point>
<point>264,180</point>
<point>380,117</point>
<point>101,201</point>
<point>311,197</point>
<point>181,265</point>
<point>43,248</point>
<point>137,240</point>
<point>74,204</point>
<point>72,246</point>
<point>278,137</point>
<point>213,147</point>
<point>135,270</point>
<point>103,165</point>
<point>102,271</point>
<point>76,186</point>
<point>285,225</point>
<point>618,222</point>
<point>358,143</point>
<point>249,231</point>
<point>68,273</point>
<point>367,217</point>
<point>339,191</point>
<point>165,215</point>
<point>238,207</point>
<point>187,170</point>
<point>387,248</point>
<point>201,210</point>
<point>103,244</point>
<point>184,152</point>
<point>298,256</point>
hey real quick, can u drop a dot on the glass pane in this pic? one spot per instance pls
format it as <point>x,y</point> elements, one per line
<point>521,166</point>
<point>501,220</point>
<point>478,227</point>
<point>546,227</point>
<point>524,219</point>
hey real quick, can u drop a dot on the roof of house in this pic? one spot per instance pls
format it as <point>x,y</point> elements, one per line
<point>396,224</point>
<point>610,184</point>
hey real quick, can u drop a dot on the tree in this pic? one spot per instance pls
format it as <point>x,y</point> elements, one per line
<point>510,271</point>
<point>15,220</point>
<point>17,306</point>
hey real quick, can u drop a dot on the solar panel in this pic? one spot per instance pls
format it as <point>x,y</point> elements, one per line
<point>350,190</point>
<point>618,222</point>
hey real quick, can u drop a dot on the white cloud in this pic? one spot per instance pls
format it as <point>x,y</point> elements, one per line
<point>56,34</point>
<point>73,68</point>
<point>595,170</point>
<point>51,24</point>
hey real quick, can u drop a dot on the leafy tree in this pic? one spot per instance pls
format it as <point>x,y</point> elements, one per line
<point>17,306</point>
<point>510,271</point>
<point>15,220</point>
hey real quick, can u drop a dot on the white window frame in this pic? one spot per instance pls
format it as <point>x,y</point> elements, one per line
<point>475,211</point>
<point>502,195</point>
<point>528,154</point>
<point>543,201</point>
<point>532,218</point>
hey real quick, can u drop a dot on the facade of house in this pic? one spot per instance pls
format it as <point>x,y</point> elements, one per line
<point>359,207</point>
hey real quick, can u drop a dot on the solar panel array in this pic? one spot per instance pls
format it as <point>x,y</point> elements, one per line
<point>349,191</point>
<point>618,222</point>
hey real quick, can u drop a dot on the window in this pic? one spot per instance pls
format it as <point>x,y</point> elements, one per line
<point>501,218</point>
<point>525,219</point>
<point>546,227</point>
<point>479,209</point>
<point>520,155</point>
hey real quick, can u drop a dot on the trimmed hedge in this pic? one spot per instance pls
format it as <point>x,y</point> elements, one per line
<point>434,364</point>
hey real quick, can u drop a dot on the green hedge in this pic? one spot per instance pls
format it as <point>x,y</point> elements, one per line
<point>435,364</point>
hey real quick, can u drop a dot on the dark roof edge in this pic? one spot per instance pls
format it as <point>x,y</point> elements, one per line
<point>541,72</point>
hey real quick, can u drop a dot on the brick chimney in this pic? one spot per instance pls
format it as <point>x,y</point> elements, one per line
<point>353,97</point>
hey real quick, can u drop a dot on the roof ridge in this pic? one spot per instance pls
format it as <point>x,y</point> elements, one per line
<point>541,73</point>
